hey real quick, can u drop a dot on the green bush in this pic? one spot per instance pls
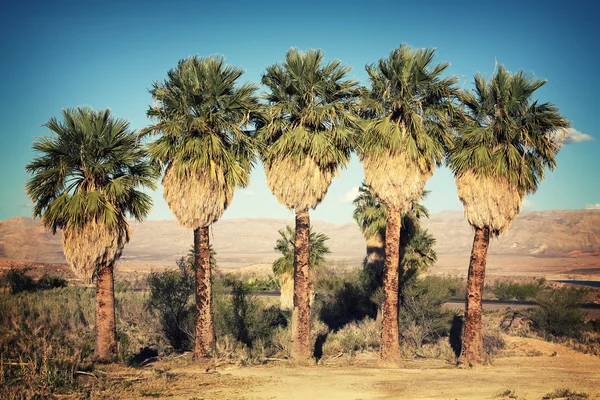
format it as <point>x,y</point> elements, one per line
<point>170,295</point>
<point>342,298</point>
<point>507,291</point>
<point>557,313</point>
<point>423,318</point>
<point>245,318</point>
<point>18,280</point>
<point>51,282</point>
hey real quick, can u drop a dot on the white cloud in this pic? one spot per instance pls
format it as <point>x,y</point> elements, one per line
<point>350,196</point>
<point>593,206</point>
<point>528,203</point>
<point>572,135</point>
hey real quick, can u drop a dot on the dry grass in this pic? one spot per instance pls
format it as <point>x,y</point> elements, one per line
<point>396,180</point>
<point>488,202</point>
<point>196,200</point>
<point>91,248</point>
<point>300,187</point>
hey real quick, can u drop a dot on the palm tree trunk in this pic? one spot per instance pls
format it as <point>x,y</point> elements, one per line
<point>301,348</point>
<point>205,330</point>
<point>390,346</point>
<point>472,344</point>
<point>106,333</point>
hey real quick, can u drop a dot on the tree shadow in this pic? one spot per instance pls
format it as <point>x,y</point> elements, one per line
<point>321,338</point>
<point>145,356</point>
<point>456,334</point>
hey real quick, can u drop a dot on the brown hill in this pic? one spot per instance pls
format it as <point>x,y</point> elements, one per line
<point>242,242</point>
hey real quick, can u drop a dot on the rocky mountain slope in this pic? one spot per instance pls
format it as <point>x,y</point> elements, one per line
<point>241,242</point>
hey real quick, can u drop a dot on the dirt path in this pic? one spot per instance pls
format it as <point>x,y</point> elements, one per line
<point>528,368</point>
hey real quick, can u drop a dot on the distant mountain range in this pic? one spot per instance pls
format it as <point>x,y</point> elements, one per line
<point>242,242</point>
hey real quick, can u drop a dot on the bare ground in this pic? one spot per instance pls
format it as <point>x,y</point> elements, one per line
<point>529,368</point>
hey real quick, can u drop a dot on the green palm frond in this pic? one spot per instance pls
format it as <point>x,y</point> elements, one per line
<point>507,134</point>
<point>309,111</point>
<point>90,169</point>
<point>370,213</point>
<point>286,246</point>
<point>205,121</point>
<point>409,108</point>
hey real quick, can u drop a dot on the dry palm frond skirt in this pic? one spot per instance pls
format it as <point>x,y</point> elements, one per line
<point>196,200</point>
<point>92,248</point>
<point>298,185</point>
<point>488,201</point>
<point>396,180</point>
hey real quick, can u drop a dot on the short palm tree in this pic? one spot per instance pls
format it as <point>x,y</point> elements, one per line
<point>86,182</point>
<point>500,155</point>
<point>407,112</point>
<point>206,152</point>
<point>370,215</point>
<point>307,138</point>
<point>283,267</point>
<point>417,253</point>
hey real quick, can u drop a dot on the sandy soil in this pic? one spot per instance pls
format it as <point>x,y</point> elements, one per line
<point>529,368</point>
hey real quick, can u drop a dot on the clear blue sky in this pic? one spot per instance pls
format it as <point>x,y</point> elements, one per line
<point>59,54</point>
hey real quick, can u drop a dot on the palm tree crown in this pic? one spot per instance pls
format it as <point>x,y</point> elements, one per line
<point>207,152</point>
<point>308,135</point>
<point>504,147</point>
<point>408,112</point>
<point>86,182</point>
<point>90,170</point>
<point>286,246</point>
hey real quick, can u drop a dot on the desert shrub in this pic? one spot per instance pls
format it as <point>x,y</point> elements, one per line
<point>565,394</point>
<point>139,329</point>
<point>170,294</point>
<point>557,312</point>
<point>245,318</point>
<point>492,341</point>
<point>354,337</point>
<point>51,282</point>
<point>423,318</point>
<point>45,337</point>
<point>507,291</point>
<point>253,284</point>
<point>18,281</point>
<point>342,298</point>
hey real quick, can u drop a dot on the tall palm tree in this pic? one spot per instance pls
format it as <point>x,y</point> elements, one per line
<point>283,267</point>
<point>500,155</point>
<point>408,112</point>
<point>307,138</point>
<point>201,116</point>
<point>85,182</point>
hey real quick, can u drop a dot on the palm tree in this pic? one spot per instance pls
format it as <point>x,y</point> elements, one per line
<point>206,154</point>
<point>408,111</point>
<point>417,253</point>
<point>283,267</point>
<point>85,182</point>
<point>500,155</point>
<point>307,138</point>
<point>370,215</point>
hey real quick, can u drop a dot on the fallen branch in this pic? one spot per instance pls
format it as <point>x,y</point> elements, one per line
<point>86,373</point>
